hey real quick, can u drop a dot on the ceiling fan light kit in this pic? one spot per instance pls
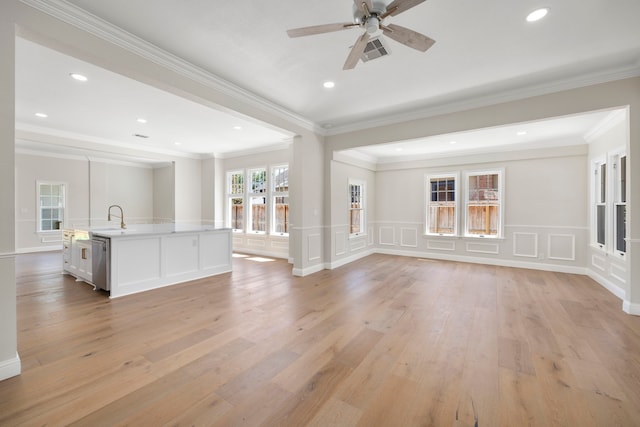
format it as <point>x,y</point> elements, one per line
<point>370,16</point>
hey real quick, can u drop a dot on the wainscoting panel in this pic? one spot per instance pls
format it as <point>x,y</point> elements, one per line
<point>599,262</point>
<point>619,272</point>
<point>387,236</point>
<point>276,244</point>
<point>409,237</point>
<point>370,241</point>
<point>356,245</point>
<point>441,245</point>
<point>256,243</point>
<point>315,246</point>
<point>525,244</point>
<point>562,247</point>
<point>341,242</point>
<point>483,248</point>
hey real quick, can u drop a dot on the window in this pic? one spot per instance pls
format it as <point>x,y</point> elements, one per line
<point>236,200</point>
<point>600,203</point>
<point>51,205</point>
<point>441,217</point>
<point>620,203</point>
<point>356,208</point>
<point>484,204</point>
<point>280,197</point>
<point>258,201</point>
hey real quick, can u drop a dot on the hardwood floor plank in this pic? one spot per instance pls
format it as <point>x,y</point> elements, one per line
<point>307,402</point>
<point>385,340</point>
<point>261,373</point>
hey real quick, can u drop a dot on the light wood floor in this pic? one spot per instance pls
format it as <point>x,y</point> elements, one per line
<point>384,341</point>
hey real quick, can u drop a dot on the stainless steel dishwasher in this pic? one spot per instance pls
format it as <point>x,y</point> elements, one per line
<point>100,262</point>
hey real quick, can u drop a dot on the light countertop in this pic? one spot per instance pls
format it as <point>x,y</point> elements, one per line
<point>149,229</point>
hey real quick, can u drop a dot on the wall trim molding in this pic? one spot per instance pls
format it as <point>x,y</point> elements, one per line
<point>631,308</point>
<point>301,272</point>
<point>608,285</point>
<point>487,261</point>
<point>10,367</point>
<point>349,259</point>
<point>49,248</point>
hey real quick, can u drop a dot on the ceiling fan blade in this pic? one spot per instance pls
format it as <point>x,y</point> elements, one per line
<point>319,29</point>
<point>356,52</point>
<point>366,8</point>
<point>408,37</point>
<point>396,7</point>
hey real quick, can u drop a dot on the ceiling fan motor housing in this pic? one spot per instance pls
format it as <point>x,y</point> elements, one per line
<point>378,8</point>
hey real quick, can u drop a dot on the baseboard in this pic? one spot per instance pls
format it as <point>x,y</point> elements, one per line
<point>347,260</point>
<point>269,254</point>
<point>607,284</point>
<point>486,261</point>
<point>301,272</point>
<point>10,368</point>
<point>631,308</point>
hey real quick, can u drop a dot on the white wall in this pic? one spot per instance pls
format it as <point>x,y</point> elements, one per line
<point>130,187</point>
<point>92,186</point>
<point>604,264</point>
<point>188,190</point>
<point>31,168</point>
<point>164,194</point>
<point>344,249</point>
<point>545,216</point>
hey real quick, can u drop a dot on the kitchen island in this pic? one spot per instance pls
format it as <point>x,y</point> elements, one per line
<point>150,256</point>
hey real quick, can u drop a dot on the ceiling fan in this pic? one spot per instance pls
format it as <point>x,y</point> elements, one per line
<point>370,15</point>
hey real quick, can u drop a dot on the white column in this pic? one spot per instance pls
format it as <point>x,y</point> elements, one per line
<point>9,360</point>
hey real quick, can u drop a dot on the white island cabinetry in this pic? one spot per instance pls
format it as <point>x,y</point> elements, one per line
<point>155,255</point>
<point>76,254</point>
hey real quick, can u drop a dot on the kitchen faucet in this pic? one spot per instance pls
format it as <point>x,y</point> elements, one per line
<point>122,224</point>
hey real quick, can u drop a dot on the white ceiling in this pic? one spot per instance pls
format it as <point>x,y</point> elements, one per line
<point>483,51</point>
<point>106,109</point>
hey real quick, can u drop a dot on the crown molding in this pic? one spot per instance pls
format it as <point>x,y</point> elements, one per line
<point>260,150</point>
<point>79,18</point>
<point>485,100</point>
<point>612,120</point>
<point>74,142</point>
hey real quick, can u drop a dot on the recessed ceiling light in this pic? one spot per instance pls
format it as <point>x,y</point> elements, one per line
<point>329,85</point>
<point>521,133</point>
<point>42,115</point>
<point>237,128</point>
<point>538,14</point>
<point>79,77</point>
<point>453,142</point>
<point>399,149</point>
<point>142,120</point>
<point>177,143</point>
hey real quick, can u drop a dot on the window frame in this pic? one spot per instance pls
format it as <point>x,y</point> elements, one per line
<point>231,195</point>
<point>599,203</point>
<point>251,195</point>
<point>619,199</point>
<point>274,196</point>
<point>363,207</point>
<point>500,172</point>
<point>455,176</point>
<point>40,207</point>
